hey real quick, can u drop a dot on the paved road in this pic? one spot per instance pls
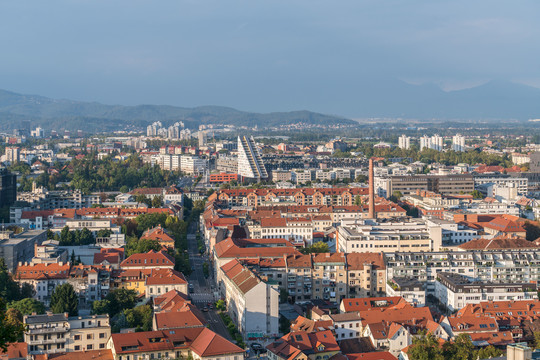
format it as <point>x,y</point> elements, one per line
<point>203,288</point>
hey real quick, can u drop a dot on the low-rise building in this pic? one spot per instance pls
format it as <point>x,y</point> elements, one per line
<point>199,343</point>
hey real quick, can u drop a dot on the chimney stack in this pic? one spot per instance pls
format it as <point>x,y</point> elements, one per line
<point>371,213</point>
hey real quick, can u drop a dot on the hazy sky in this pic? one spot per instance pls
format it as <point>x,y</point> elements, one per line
<point>260,55</point>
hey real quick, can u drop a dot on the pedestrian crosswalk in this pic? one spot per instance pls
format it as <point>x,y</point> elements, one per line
<point>202,297</point>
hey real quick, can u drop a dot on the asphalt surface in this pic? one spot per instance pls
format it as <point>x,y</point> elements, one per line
<point>203,288</point>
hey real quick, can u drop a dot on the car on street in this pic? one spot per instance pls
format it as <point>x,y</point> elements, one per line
<point>205,309</point>
<point>258,348</point>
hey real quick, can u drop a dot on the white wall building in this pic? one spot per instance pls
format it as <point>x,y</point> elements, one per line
<point>404,142</point>
<point>252,303</point>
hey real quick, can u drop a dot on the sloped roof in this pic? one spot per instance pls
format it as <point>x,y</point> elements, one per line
<point>188,317</point>
<point>242,277</point>
<point>208,343</point>
<point>376,355</point>
<point>498,243</point>
<point>362,304</point>
<point>356,261</point>
<point>150,258</point>
<point>43,271</point>
<point>165,277</point>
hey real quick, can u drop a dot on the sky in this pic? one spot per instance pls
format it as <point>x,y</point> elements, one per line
<point>260,55</point>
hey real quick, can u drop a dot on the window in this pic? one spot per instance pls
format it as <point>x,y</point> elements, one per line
<point>102,346</point>
<point>102,335</point>
<point>89,336</point>
<point>77,348</point>
<point>89,347</point>
<point>77,337</point>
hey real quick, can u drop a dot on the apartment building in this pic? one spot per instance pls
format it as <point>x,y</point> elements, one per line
<point>521,183</point>
<point>250,162</point>
<point>296,230</point>
<point>502,265</point>
<point>366,274</point>
<point>299,196</point>
<point>43,278</point>
<point>252,303</point>
<point>150,260</point>
<point>442,184</point>
<point>329,276</point>
<point>456,290</point>
<point>54,333</point>
<point>199,343</point>
<point>161,281</point>
<point>371,236</point>
<point>409,289</point>
<point>299,272</point>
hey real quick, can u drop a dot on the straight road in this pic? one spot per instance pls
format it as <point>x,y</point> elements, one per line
<point>203,288</point>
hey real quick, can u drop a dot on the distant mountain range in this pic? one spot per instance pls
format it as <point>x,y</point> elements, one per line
<point>93,116</point>
<point>495,100</point>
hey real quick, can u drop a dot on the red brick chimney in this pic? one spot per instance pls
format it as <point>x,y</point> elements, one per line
<point>371,213</point>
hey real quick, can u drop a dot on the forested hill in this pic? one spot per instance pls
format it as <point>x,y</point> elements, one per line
<point>94,117</point>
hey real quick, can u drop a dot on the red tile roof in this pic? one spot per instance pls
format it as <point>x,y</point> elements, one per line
<point>43,271</point>
<point>149,259</point>
<point>376,355</point>
<point>363,304</point>
<point>165,277</point>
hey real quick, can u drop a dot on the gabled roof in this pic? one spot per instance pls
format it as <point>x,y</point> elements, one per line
<point>498,243</point>
<point>188,316</point>
<point>157,233</point>
<point>166,277</point>
<point>473,323</point>
<point>228,249</point>
<point>151,258</point>
<point>376,355</point>
<point>244,279</point>
<point>362,304</point>
<point>329,258</point>
<point>43,271</point>
<point>356,261</point>
<point>173,300</point>
<point>208,343</point>
<point>15,351</point>
<point>304,324</point>
<point>103,354</point>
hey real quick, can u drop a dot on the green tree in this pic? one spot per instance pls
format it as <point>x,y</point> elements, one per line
<point>157,201</point>
<point>27,306</point>
<point>100,307</point>
<point>461,348</point>
<point>489,352</point>
<point>64,299</point>
<point>140,317</point>
<point>220,305</point>
<point>121,299</point>
<point>477,194</point>
<point>10,330</point>
<point>537,339</point>
<point>9,289</point>
<point>532,230</point>
<point>425,347</point>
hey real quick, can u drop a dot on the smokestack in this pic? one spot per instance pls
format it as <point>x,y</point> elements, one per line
<point>371,213</point>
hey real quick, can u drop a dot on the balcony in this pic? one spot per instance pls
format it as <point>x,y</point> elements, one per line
<point>48,330</point>
<point>47,341</point>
